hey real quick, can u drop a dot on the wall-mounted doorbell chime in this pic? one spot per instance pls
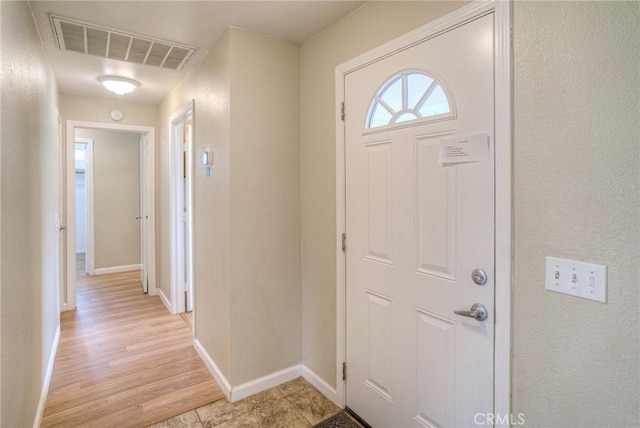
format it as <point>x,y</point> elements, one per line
<point>207,161</point>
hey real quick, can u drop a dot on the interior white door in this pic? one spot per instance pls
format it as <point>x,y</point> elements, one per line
<point>61,251</point>
<point>144,212</point>
<point>416,230</point>
<point>182,211</point>
<point>184,216</point>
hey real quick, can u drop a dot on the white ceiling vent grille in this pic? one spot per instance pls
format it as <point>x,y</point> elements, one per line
<point>105,42</point>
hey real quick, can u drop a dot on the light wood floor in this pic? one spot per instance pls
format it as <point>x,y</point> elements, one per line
<point>123,360</point>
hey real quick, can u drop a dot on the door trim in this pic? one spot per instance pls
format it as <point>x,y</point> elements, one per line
<point>177,289</point>
<point>502,11</point>
<point>71,126</point>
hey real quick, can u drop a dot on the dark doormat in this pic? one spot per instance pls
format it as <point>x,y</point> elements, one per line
<point>341,420</point>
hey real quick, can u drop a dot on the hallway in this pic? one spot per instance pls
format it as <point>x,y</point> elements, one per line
<point>123,360</point>
<point>273,88</point>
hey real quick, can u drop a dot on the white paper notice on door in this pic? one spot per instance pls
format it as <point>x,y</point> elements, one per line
<point>466,148</point>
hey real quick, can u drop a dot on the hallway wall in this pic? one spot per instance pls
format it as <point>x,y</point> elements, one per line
<point>29,293</point>
<point>90,109</point>
<point>208,84</point>
<point>264,204</point>
<point>247,271</point>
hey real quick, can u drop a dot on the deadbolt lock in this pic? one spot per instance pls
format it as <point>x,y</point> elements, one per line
<point>479,276</point>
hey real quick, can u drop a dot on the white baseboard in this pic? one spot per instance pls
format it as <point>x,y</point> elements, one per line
<point>223,383</point>
<point>164,300</point>
<point>327,390</point>
<point>47,379</point>
<point>265,382</point>
<point>117,269</point>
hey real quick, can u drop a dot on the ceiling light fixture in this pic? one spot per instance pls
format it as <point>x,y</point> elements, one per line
<point>118,85</point>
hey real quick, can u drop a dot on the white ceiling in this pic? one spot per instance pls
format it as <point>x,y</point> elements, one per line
<point>196,23</point>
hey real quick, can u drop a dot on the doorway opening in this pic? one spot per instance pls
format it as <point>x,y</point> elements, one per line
<point>110,203</point>
<point>182,135</point>
<point>83,158</point>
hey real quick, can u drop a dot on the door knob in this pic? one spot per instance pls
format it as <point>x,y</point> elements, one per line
<point>477,311</point>
<point>61,228</point>
<point>138,217</point>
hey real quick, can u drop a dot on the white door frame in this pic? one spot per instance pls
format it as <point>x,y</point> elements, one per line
<point>502,11</point>
<point>88,182</point>
<point>70,304</point>
<point>177,300</point>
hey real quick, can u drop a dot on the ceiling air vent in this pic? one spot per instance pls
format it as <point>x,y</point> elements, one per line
<point>105,42</point>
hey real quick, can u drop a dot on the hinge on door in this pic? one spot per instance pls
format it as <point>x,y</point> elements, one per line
<point>342,112</point>
<point>344,242</point>
<point>344,371</point>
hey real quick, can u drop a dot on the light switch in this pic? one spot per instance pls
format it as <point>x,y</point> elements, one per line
<point>579,279</point>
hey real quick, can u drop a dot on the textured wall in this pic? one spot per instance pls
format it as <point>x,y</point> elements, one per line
<point>247,275</point>
<point>30,293</point>
<point>97,110</point>
<point>264,205</point>
<point>208,85</point>
<point>368,27</point>
<point>116,192</point>
<point>576,362</point>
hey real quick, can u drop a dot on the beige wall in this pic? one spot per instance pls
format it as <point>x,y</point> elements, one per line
<point>247,274</point>
<point>576,362</point>
<point>354,35</point>
<point>209,86</point>
<point>116,196</point>
<point>29,294</point>
<point>97,110</point>
<point>264,205</point>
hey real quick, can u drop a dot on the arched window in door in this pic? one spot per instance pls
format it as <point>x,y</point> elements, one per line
<point>409,96</point>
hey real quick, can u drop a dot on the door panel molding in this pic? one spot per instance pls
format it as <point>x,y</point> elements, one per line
<point>502,11</point>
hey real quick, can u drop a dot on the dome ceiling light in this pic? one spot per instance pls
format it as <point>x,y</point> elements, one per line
<point>118,85</point>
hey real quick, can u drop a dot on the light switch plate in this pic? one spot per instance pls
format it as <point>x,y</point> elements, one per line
<point>585,280</point>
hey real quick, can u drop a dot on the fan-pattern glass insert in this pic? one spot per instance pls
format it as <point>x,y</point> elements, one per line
<point>407,96</point>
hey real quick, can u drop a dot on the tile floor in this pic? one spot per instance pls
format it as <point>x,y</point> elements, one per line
<point>295,404</point>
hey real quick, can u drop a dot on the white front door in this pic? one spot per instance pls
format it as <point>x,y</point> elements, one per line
<point>417,226</point>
